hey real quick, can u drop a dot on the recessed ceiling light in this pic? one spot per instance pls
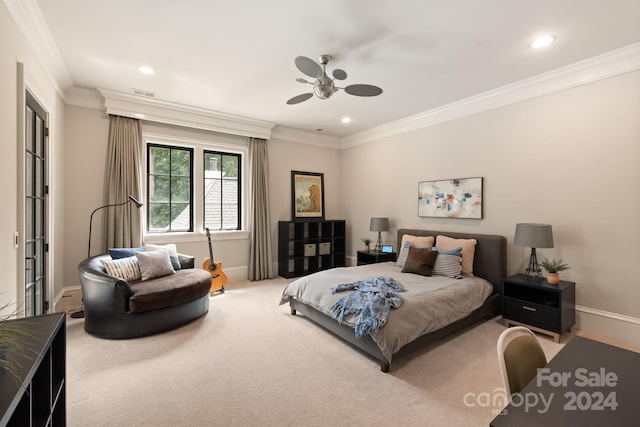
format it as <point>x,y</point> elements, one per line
<point>146,70</point>
<point>346,120</point>
<point>541,42</point>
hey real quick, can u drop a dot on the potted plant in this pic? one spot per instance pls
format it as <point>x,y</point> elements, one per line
<point>554,267</point>
<point>11,337</point>
<point>367,242</point>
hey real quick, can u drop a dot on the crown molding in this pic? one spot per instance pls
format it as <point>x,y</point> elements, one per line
<point>284,133</point>
<point>124,104</point>
<point>28,17</point>
<point>610,64</point>
<point>84,97</point>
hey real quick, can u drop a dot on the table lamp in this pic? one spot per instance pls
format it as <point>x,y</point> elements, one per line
<point>379,225</point>
<point>533,236</point>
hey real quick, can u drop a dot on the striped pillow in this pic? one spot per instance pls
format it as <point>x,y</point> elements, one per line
<point>448,265</point>
<point>124,268</point>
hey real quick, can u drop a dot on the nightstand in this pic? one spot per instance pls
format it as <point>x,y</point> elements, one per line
<point>371,257</point>
<point>539,305</point>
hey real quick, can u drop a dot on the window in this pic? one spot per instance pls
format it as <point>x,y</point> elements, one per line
<point>222,190</point>
<point>182,198</point>
<point>169,188</point>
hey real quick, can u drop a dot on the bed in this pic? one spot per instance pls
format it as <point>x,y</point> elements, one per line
<point>456,303</point>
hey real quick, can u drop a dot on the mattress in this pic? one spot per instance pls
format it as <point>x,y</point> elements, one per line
<point>429,304</point>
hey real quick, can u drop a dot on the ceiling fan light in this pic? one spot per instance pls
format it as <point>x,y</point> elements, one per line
<point>324,87</point>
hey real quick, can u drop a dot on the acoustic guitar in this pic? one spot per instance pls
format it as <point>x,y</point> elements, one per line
<point>218,277</point>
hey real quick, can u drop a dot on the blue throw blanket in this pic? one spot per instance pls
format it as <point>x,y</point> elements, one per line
<point>370,303</point>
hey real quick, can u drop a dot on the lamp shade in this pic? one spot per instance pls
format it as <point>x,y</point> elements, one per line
<point>379,224</point>
<point>533,236</point>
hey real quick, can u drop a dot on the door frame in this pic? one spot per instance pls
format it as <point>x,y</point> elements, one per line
<point>19,238</point>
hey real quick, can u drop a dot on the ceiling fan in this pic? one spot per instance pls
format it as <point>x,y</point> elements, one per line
<point>324,86</point>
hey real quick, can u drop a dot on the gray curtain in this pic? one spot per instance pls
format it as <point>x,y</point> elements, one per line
<point>260,258</point>
<point>122,224</point>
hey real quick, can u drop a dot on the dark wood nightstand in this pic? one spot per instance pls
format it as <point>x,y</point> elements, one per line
<point>371,257</point>
<point>539,305</point>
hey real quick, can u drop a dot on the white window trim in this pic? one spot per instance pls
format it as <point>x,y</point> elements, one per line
<point>198,146</point>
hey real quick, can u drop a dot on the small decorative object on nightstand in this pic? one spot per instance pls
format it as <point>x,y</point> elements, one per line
<point>372,257</point>
<point>532,302</point>
<point>553,269</point>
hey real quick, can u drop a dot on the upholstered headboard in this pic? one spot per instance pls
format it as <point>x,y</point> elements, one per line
<point>490,259</point>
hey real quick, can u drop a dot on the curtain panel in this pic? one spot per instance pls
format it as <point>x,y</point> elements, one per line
<point>122,224</point>
<point>260,258</point>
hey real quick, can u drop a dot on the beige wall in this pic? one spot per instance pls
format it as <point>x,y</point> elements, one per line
<point>13,50</point>
<point>85,153</point>
<point>569,159</point>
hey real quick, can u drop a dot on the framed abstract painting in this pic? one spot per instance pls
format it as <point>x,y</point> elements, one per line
<point>450,198</point>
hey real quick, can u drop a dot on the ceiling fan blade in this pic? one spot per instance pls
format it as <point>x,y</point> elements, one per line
<point>339,74</point>
<point>301,80</point>
<point>363,90</point>
<point>309,67</point>
<point>300,98</point>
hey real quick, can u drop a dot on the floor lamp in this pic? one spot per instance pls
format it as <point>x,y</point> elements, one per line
<point>533,236</point>
<point>80,313</point>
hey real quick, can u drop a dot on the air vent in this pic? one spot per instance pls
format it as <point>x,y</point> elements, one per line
<point>141,92</point>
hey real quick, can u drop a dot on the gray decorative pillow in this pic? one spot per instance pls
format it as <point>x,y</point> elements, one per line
<point>124,268</point>
<point>173,253</point>
<point>154,264</point>
<point>448,265</point>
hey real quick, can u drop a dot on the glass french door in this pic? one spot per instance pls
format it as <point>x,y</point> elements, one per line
<point>35,208</point>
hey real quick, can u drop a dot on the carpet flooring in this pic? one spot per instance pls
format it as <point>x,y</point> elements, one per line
<point>249,362</point>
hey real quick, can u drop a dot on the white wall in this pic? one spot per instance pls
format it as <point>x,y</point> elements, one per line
<point>569,159</point>
<point>14,49</point>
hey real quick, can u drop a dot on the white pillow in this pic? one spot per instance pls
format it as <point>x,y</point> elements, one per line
<point>124,268</point>
<point>171,248</point>
<point>154,264</point>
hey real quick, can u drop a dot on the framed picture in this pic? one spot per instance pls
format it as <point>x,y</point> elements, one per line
<point>307,195</point>
<point>451,198</point>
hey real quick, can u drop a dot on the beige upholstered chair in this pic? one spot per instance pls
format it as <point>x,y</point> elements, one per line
<point>519,355</point>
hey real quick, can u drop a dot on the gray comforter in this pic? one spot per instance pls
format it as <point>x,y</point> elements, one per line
<point>429,304</point>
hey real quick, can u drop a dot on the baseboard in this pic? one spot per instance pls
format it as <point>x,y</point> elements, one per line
<point>69,299</point>
<point>617,326</point>
<point>237,273</point>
